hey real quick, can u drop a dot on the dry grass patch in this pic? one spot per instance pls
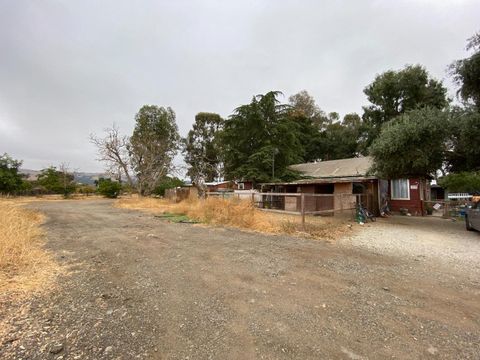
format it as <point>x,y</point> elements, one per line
<point>24,264</point>
<point>240,214</point>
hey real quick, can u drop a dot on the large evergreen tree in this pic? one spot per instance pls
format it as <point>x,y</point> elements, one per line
<point>393,93</point>
<point>311,120</point>
<point>323,136</point>
<point>304,105</point>
<point>464,152</point>
<point>464,136</point>
<point>466,73</point>
<point>340,139</point>
<point>463,155</point>
<point>260,140</point>
<point>411,145</point>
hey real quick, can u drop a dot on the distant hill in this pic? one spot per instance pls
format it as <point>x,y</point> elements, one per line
<point>88,178</point>
<point>30,175</point>
<point>80,177</point>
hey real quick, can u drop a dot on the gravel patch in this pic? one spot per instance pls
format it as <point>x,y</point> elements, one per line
<point>432,239</point>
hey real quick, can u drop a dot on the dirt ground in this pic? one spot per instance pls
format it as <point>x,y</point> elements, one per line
<point>141,287</point>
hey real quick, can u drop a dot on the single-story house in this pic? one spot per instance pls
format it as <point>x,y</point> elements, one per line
<point>351,178</point>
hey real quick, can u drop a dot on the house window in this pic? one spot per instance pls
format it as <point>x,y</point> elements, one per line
<point>400,189</point>
<point>241,186</point>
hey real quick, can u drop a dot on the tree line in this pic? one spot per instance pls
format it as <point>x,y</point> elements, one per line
<point>51,180</point>
<point>410,127</point>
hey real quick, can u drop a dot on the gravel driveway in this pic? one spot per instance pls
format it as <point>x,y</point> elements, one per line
<point>140,287</point>
<point>437,241</point>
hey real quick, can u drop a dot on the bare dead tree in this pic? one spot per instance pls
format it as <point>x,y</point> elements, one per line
<point>63,168</point>
<point>67,178</point>
<point>113,151</point>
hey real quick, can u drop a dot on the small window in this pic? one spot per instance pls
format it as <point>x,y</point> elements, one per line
<point>400,189</point>
<point>241,186</point>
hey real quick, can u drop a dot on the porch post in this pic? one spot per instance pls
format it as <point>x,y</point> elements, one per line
<point>302,198</point>
<point>341,204</point>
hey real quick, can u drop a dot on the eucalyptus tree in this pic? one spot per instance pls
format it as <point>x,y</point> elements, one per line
<point>153,145</point>
<point>203,153</point>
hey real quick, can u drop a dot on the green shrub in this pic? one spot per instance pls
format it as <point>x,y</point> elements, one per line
<point>167,183</point>
<point>10,178</point>
<point>108,188</point>
<point>56,182</point>
<point>461,182</point>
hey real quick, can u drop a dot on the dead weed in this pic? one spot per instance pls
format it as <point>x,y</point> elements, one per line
<point>24,264</point>
<point>240,214</point>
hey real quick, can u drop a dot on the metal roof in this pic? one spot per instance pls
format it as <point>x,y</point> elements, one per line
<point>353,167</point>
<point>328,180</point>
<point>215,183</point>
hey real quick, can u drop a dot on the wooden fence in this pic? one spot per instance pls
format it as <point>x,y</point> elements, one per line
<point>303,203</point>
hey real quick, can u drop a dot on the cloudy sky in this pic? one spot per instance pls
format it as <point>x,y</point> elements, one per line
<point>71,68</point>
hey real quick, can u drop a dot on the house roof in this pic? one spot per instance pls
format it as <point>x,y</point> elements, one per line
<point>328,180</point>
<point>353,167</point>
<point>215,183</point>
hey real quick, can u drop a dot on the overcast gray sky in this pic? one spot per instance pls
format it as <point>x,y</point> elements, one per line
<point>70,68</point>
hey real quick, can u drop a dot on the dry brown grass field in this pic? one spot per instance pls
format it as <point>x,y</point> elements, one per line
<point>24,264</point>
<point>243,215</point>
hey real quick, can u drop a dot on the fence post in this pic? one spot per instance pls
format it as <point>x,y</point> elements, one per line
<point>341,205</point>
<point>302,206</point>
<point>253,198</point>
